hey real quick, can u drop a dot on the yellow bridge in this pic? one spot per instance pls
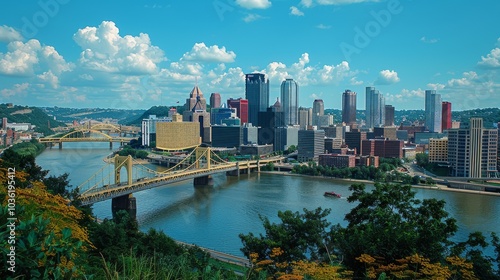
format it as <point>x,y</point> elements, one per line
<point>95,133</point>
<point>199,165</point>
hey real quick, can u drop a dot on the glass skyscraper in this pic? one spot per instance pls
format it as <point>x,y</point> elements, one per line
<point>257,94</point>
<point>433,111</point>
<point>375,108</point>
<point>349,107</point>
<point>289,100</point>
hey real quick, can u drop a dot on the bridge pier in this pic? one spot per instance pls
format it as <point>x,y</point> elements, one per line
<point>60,145</point>
<point>203,181</point>
<point>111,145</point>
<point>125,202</point>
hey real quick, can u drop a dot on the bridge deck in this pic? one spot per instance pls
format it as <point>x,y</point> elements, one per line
<point>97,194</point>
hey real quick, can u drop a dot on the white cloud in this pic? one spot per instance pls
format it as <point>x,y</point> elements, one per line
<point>322,26</point>
<point>334,73</point>
<point>16,90</point>
<point>492,60</point>
<point>467,80</point>
<point>233,78</point>
<point>305,74</point>
<point>9,34</point>
<point>24,59</point>
<point>295,11</point>
<point>306,3</point>
<point>106,51</point>
<point>254,4</point>
<point>183,67</point>
<point>405,95</point>
<point>252,17</point>
<point>428,40</point>
<point>50,79</point>
<point>200,52</point>
<point>20,58</point>
<point>436,86</point>
<point>355,82</point>
<point>387,77</point>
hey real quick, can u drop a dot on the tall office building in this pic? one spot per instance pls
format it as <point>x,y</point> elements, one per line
<point>217,115</point>
<point>353,140</point>
<point>446,116</point>
<point>196,111</point>
<point>433,110</point>
<point>375,108</point>
<point>215,100</point>
<point>305,117</point>
<point>289,100</point>
<point>285,137</point>
<point>318,111</point>
<point>148,129</point>
<point>472,150</point>
<point>349,107</point>
<point>389,115</point>
<point>241,106</point>
<point>257,94</point>
<point>311,144</point>
<point>196,101</point>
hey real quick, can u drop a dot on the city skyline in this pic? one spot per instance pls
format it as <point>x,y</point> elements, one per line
<point>150,53</point>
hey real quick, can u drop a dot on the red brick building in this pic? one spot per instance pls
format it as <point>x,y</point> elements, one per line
<point>337,160</point>
<point>382,148</point>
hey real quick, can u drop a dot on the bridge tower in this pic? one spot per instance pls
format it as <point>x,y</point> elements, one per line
<point>203,154</point>
<point>125,202</point>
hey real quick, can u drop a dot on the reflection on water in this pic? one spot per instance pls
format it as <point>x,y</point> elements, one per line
<point>213,217</point>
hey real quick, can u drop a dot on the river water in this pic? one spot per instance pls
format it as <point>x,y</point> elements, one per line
<point>213,217</point>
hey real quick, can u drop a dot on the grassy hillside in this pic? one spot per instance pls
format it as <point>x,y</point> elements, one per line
<point>33,115</point>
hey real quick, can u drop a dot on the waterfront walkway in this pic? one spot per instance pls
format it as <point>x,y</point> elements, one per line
<point>223,257</point>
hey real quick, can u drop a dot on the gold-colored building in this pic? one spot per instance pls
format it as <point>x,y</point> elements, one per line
<point>438,150</point>
<point>177,135</point>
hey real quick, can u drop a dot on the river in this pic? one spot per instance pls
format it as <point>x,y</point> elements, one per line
<point>213,217</point>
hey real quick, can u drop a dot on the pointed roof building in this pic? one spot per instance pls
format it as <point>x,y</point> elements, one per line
<point>196,101</point>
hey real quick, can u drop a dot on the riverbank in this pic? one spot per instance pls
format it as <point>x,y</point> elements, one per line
<point>349,180</point>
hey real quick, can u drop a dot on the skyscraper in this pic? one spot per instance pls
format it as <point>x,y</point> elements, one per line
<point>289,99</point>
<point>196,111</point>
<point>375,108</point>
<point>389,115</point>
<point>472,150</point>
<point>215,100</point>
<point>257,94</point>
<point>318,110</point>
<point>433,109</point>
<point>305,117</point>
<point>241,106</point>
<point>446,116</point>
<point>349,107</point>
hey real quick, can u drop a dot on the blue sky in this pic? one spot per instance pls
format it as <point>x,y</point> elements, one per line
<point>136,54</point>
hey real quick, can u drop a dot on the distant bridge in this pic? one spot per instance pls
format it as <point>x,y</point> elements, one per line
<point>95,133</point>
<point>199,165</point>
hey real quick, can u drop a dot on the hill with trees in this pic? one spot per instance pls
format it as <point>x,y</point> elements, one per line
<point>69,115</point>
<point>33,115</point>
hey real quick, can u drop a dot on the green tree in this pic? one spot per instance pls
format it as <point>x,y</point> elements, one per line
<point>300,235</point>
<point>40,252</point>
<point>390,223</point>
<point>472,250</point>
<point>58,185</point>
<point>422,159</point>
